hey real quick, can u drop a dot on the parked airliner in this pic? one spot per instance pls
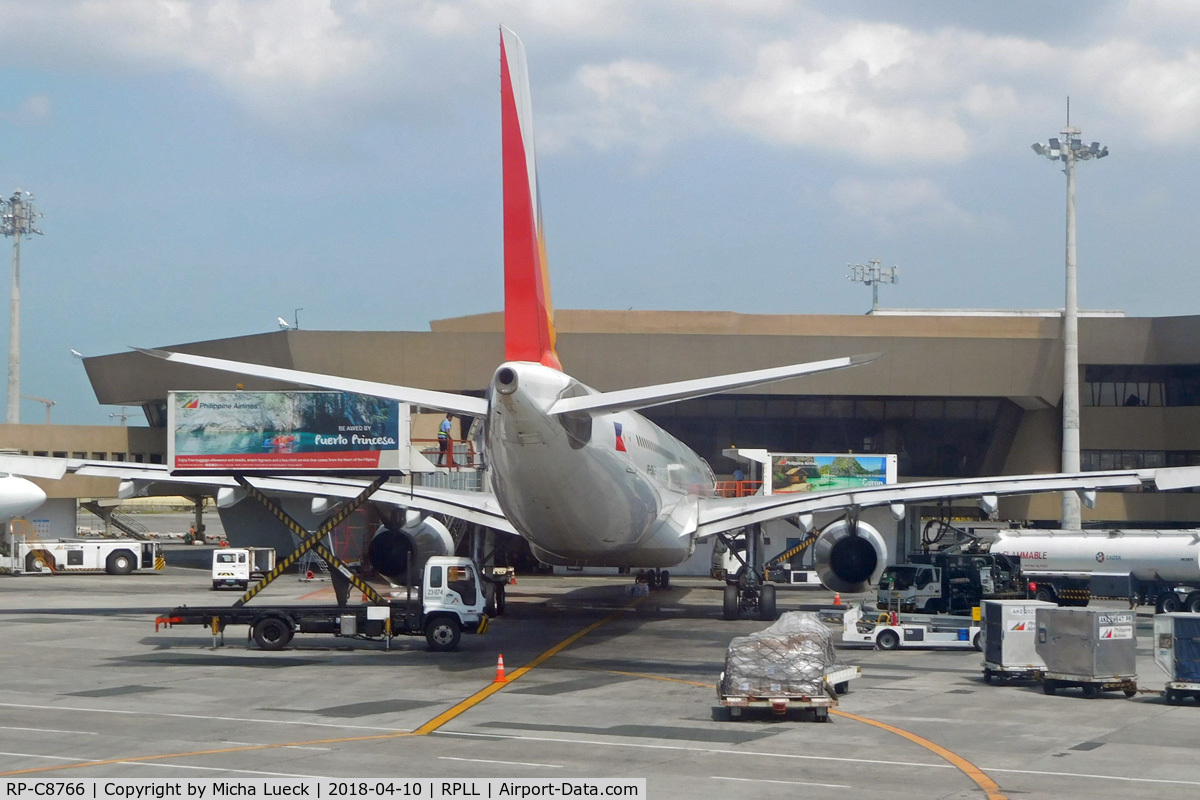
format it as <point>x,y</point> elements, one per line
<point>577,472</point>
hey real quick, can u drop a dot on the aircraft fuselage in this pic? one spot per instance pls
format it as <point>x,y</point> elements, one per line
<point>605,489</point>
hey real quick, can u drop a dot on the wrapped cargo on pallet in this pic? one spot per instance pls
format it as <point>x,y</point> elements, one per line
<point>790,658</point>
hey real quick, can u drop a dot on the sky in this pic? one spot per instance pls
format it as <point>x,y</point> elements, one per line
<point>208,167</point>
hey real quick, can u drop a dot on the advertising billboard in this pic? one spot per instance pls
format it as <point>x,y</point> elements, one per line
<point>819,472</point>
<point>285,432</point>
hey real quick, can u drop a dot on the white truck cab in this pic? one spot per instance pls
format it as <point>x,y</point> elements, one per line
<point>237,566</point>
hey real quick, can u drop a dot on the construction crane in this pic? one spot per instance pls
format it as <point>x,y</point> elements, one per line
<point>44,400</point>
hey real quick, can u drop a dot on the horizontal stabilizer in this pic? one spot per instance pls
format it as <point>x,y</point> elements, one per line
<point>646,396</point>
<point>425,398</point>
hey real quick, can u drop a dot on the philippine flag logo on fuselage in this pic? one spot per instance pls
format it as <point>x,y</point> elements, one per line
<point>193,404</point>
<point>620,439</point>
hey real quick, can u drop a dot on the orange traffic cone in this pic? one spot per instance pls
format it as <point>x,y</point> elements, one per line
<point>500,670</point>
<point>837,598</point>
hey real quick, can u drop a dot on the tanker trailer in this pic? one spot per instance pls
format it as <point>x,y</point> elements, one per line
<point>1143,566</point>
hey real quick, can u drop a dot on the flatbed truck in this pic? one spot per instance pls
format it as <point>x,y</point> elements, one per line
<point>450,601</point>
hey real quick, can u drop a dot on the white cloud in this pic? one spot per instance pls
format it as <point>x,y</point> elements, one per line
<point>896,206</point>
<point>612,73</point>
<point>622,103</point>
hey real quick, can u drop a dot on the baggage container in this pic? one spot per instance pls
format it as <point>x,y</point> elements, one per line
<point>1094,649</point>
<point>1177,653</point>
<point>1010,637</point>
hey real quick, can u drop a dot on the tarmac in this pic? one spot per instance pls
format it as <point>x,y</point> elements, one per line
<point>599,685</point>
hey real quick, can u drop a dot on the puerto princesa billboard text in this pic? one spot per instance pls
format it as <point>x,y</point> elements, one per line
<point>278,432</point>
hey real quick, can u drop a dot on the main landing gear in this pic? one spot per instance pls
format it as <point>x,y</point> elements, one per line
<point>755,599</point>
<point>654,578</point>
<point>747,592</point>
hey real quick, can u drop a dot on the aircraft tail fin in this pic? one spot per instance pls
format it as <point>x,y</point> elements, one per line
<point>528,313</point>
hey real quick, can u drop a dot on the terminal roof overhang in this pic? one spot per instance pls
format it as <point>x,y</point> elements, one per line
<point>1013,356</point>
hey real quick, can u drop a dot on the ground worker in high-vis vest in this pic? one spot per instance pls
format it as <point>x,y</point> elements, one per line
<point>444,439</point>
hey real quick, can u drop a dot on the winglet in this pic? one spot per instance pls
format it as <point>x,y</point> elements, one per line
<point>528,313</point>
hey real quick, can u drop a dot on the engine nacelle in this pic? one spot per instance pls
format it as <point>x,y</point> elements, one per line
<point>849,558</point>
<point>392,550</point>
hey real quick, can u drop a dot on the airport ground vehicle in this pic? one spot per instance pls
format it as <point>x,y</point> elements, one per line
<point>1144,566</point>
<point>237,566</point>
<point>953,583</point>
<point>31,556</point>
<point>450,600</point>
<point>890,632</point>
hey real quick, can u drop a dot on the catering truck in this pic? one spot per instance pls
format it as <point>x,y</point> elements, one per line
<point>1143,566</point>
<point>449,601</point>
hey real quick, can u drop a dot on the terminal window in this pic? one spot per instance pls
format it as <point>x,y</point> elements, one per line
<point>1141,385</point>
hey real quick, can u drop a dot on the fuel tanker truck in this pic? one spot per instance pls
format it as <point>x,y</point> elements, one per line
<point>1144,566</point>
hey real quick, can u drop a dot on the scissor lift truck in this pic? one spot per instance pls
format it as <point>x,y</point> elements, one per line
<point>450,601</point>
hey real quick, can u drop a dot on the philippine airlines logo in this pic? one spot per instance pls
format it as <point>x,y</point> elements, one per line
<point>620,439</point>
<point>193,404</point>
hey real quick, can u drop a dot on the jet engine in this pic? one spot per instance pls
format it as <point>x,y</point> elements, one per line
<point>849,557</point>
<point>408,539</point>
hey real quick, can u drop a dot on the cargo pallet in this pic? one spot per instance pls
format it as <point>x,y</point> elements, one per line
<point>1092,686</point>
<point>813,708</point>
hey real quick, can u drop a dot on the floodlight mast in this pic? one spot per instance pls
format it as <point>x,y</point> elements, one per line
<point>1069,149</point>
<point>872,275</point>
<point>16,218</point>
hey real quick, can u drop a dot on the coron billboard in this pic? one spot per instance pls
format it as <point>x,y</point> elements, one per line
<point>282,432</point>
<point>819,472</point>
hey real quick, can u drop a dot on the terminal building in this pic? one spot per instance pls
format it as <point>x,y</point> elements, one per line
<point>954,394</point>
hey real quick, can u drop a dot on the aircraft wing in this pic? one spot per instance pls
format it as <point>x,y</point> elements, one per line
<point>477,507</point>
<point>647,396</point>
<point>720,514</point>
<point>425,398</point>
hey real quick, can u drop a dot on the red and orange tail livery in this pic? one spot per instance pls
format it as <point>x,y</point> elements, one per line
<point>528,314</point>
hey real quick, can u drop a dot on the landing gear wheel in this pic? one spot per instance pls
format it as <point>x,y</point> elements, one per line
<point>272,633</point>
<point>442,633</point>
<point>766,603</point>
<point>664,580</point>
<point>887,640</point>
<point>1091,691</point>
<point>731,605</point>
<point>120,563</point>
